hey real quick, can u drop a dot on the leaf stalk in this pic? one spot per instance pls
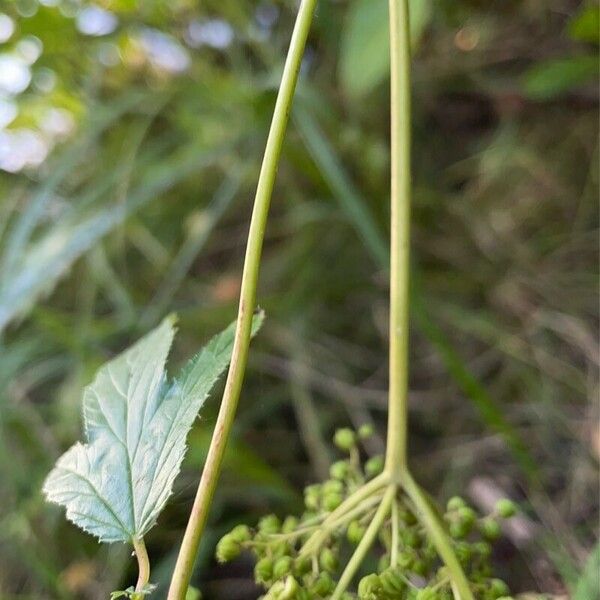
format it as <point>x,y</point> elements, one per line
<point>206,489</point>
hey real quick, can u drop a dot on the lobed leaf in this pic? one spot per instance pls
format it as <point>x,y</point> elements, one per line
<point>136,423</point>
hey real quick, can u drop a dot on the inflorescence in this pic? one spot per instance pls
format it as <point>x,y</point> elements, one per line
<point>303,558</point>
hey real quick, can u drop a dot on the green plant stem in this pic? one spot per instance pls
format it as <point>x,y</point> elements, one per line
<point>430,519</point>
<point>141,554</point>
<point>189,547</point>
<point>400,236</point>
<point>365,543</point>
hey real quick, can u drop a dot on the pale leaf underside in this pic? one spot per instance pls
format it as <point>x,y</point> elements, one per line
<point>115,485</point>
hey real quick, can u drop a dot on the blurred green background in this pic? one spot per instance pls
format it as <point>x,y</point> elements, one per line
<point>131,134</point>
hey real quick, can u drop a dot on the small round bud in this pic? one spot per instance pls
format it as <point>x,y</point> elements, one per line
<point>241,533</point>
<point>366,431</point>
<point>269,525</point>
<point>289,524</point>
<point>344,439</point>
<point>374,466</point>
<point>458,529</point>
<point>333,485</point>
<point>498,588</point>
<point>355,532</point>
<point>483,549</point>
<point>455,503</point>
<point>227,549</point>
<point>331,501</point>
<point>467,515</point>
<point>412,538</point>
<point>490,528</point>
<point>312,497</point>
<point>282,567</point>
<point>392,581</point>
<point>339,470</point>
<point>404,559</point>
<point>426,594</point>
<point>506,508</point>
<point>328,560</point>
<point>419,567</point>
<point>263,571</point>
<point>302,566</point>
<point>369,587</point>
<point>324,585</point>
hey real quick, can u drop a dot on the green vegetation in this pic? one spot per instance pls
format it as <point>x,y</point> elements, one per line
<point>142,206</point>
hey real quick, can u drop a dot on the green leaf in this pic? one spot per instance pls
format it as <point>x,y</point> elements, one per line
<point>136,424</point>
<point>585,26</point>
<point>555,77</point>
<point>365,51</point>
<point>588,585</point>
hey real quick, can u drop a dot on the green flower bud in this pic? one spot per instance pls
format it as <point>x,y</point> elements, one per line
<point>490,528</point>
<point>328,560</point>
<point>289,524</point>
<point>369,588</point>
<point>392,581</point>
<point>355,532</point>
<point>227,549</point>
<point>263,571</point>
<point>366,431</point>
<point>458,529</point>
<point>344,439</point>
<point>282,567</point>
<point>463,553</point>
<point>332,500</point>
<point>333,485</point>
<point>498,588</point>
<point>506,508</point>
<point>302,566</point>
<point>412,538</point>
<point>483,549</point>
<point>427,594</point>
<point>455,503</point>
<point>404,559</point>
<point>241,533</point>
<point>323,585</point>
<point>269,525</point>
<point>312,497</point>
<point>374,466</point>
<point>339,470</point>
<point>467,515</point>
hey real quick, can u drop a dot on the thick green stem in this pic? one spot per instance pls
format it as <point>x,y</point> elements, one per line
<point>365,543</point>
<point>400,236</point>
<point>141,554</point>
<point>189,547</point>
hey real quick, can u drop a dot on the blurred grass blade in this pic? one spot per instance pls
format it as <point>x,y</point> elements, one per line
<point>491,414</point>
<point>588,585</point>
<point>20,233</point>
<point>48,258</point>
<point>201,229</point>
<point>340,184</point>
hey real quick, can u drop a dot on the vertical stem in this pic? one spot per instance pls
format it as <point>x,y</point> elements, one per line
<point>400,235</point>
<point>191,540</point>
<point>141,554</point>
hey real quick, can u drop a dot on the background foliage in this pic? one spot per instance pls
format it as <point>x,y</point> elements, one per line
<point>131,137</point>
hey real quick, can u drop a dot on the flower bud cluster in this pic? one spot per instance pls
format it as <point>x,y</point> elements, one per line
<point>408,566</point>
